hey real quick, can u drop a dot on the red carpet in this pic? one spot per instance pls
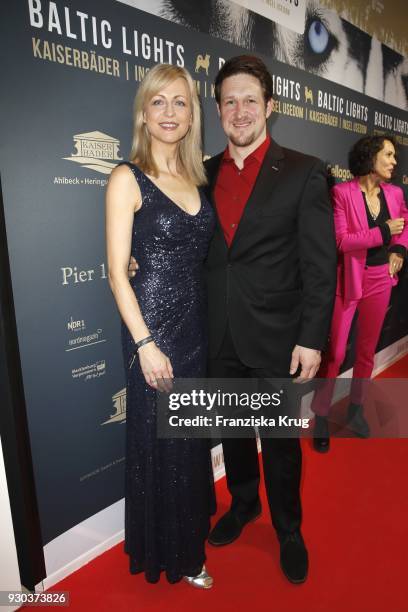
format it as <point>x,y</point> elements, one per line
<point>398,370</point>
<point>355,502</point>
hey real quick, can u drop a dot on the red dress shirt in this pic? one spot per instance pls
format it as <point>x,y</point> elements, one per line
<point>234,187</point>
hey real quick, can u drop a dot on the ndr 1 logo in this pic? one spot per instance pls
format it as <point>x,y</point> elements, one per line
<point>76,325</point>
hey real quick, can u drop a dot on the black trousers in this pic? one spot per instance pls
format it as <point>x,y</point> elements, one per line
<point>282,457</point>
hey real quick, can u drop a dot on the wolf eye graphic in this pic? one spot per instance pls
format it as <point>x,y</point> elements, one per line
<point>318,36</point>
<point>318,44</point>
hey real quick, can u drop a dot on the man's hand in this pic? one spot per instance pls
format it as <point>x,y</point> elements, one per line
<point>133,267</point>
<point>308,359</point>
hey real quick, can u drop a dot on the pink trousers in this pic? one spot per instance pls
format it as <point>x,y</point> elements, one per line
<point>371,308</point>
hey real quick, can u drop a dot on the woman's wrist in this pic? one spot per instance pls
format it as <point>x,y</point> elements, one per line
<point>140,343</point>
<point>398,249</point>
<point>139,346</point>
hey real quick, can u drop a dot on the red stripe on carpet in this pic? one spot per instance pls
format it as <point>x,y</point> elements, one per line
<point>399,369</point>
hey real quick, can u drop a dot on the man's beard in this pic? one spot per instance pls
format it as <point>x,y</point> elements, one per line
<point>243,142</point>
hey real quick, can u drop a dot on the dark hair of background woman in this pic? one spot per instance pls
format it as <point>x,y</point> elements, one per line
<point>362,155</point>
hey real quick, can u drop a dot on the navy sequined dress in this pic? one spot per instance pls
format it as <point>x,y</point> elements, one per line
<point>169,491</point>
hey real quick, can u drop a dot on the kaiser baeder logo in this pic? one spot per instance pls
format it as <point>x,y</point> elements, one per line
<point>202,63</point>
<point>119,403</point>
<point>94,149</point>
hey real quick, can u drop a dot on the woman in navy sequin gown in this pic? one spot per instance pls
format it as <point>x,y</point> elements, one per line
<point>157,213</point>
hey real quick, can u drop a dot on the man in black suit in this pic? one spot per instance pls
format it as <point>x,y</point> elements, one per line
<point>271,273</point>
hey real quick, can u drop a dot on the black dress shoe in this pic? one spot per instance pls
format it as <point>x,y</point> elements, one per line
<point>293,557</point>
<point>230,525</point>
<point>321,435</point>
<point>356,421</point>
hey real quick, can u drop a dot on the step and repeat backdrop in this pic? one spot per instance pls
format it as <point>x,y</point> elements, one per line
<point>69,76</point>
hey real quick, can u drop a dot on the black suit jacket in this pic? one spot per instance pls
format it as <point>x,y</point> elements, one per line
<point>275,285</point>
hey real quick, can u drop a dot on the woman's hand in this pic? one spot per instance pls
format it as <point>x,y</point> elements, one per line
<point>396,225</point>
<point>156,367</point>
<point>395,262</point>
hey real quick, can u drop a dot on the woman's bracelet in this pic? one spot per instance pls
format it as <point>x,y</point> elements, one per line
<point>143,342</point>
<point>138,346</point>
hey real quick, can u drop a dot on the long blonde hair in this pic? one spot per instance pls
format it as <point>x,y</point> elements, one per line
<point>189,152</point>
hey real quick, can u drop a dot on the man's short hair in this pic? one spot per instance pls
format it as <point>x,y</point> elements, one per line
<point>245,64</point>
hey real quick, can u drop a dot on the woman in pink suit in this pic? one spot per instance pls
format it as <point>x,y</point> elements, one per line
<point>370,218</point>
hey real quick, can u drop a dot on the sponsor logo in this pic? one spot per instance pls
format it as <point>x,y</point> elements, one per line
<point>202,63</point>
<point>82,341</point>
<point>119,404</point>
<point>217,458</point>
<point>76,326</point>
<point>96,151</point>
<point>308,95</point>
<point>340,173</point>
<point>90,371</point>
<point>72,275</point>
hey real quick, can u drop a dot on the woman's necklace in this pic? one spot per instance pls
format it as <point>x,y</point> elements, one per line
<point>373,205</point>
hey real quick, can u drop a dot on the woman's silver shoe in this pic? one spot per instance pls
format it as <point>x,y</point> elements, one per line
<point>202,581</point>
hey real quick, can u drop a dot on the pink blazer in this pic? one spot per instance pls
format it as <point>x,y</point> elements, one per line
<point>353,236</point>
